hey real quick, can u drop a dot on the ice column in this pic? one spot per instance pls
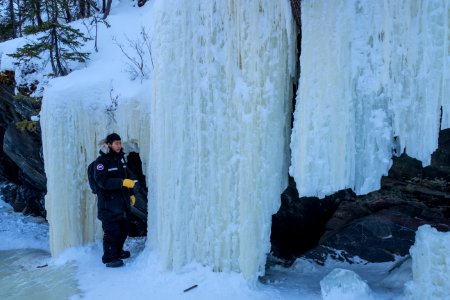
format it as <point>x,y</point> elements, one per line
<point>374,77</point>
<point>430,265</point>
<point>73,121</point>
<point>220,127</point>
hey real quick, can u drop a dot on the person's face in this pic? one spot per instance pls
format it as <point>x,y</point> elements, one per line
<point>116,146</point>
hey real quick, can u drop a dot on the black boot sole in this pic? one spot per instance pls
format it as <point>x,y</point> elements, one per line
<point>115,264</point>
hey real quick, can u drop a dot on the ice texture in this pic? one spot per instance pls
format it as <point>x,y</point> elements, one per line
<point>430,265</point>
<point>212,127</point>
<point>74,119</point>
<point>374,79</point>
<point>220,128</point>
<point>344,284</point>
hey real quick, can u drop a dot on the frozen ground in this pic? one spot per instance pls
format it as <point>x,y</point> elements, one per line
<point>79,274</point>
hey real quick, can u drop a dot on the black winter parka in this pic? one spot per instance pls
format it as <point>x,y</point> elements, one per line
<point>113,199</point>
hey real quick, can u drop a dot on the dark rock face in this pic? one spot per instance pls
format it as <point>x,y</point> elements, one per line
<point>299,223</point>
<point>22,166</point>
<point>377,226</point>
<point>138,220</point>
<point>24,148</point>
<point>387,228</point>
<point>8,169</point>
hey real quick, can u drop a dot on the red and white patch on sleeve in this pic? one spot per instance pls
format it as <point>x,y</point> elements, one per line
<point>100,167</point>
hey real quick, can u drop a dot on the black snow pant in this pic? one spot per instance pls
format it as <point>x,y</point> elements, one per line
<point>114,235</point>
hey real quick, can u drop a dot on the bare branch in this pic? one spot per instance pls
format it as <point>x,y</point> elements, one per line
<point>137,52</point>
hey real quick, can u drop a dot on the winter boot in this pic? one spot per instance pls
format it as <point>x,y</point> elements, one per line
<point>116,263</point>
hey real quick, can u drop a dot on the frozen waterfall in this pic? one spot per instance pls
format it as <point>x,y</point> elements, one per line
<point>374,78</point>
<point>212,130</point>
<point>73,121</point>
<point>220,127</point>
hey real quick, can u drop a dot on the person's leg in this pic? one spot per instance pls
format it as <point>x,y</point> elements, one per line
<point>111,240</point>
<point>124,229</point>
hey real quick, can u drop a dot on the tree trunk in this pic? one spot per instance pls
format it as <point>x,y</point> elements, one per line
<point>88,9</point>
<point>82,8</point>
<point>61,71</point>
<point>52,60</point>
<point>54,48</point>
<point>36,6</point>
<point>65,7</point>
<point>20,18</point>
<point>107,9</point>
<point>54,17</point>
<point>13,18</point>
<point>29,11</point>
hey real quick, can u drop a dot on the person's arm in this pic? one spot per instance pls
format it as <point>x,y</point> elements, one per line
<point>103,180</point>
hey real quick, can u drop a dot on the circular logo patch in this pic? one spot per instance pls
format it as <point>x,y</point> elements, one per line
<point>100,167</point>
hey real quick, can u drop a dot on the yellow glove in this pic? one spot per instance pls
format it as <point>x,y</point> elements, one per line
<point>132,200</point>
<point>128,183</point>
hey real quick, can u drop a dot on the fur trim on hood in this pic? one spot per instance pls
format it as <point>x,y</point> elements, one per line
<point>104,146</point>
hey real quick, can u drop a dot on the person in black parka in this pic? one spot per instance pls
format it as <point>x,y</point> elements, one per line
<point>115,195</point>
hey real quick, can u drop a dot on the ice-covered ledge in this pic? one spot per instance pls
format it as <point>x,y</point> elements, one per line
<point>73,121</point>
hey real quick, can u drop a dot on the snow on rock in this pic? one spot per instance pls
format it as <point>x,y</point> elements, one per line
<point>344,284</point>
<point>221,93</point>
<point>430,265</point>
<point>374,77</point>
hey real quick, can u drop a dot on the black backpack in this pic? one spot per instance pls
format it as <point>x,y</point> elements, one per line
<point>92,183</point>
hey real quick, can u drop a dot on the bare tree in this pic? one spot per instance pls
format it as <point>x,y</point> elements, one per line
<point>95,20</point>
<point>111,109</point>
<point>138,52</point>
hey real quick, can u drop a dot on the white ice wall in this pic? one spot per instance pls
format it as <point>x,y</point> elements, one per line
<point>220,129</point>
<point>73,121</point>
<point>370,71</point>
<point>430,265</point>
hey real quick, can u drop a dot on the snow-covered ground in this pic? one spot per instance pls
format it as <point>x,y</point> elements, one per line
<point>81,275</point>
